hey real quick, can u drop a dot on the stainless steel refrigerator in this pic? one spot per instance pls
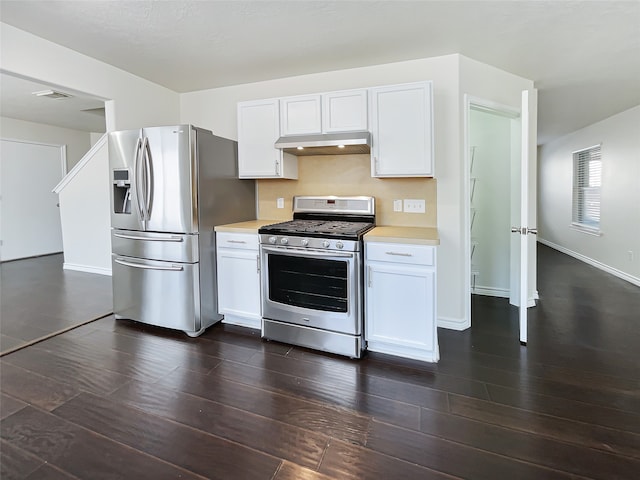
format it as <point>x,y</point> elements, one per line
<point>169,187</point>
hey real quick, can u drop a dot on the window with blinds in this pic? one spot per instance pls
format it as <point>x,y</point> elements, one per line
<point>587,180</point>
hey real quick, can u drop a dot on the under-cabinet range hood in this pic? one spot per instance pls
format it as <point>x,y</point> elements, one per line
<point>345,143</point>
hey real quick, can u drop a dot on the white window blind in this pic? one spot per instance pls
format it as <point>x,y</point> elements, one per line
<point>587,180</point>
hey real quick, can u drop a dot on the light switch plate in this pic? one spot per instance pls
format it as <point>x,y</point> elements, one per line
<point>280,202</point>
<point>397,205</point>
<point>412,205</point>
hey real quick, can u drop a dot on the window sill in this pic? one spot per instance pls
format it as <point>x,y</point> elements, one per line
<point>596,232</point>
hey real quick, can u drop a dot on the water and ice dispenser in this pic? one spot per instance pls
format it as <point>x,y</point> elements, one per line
<point>121,191</point>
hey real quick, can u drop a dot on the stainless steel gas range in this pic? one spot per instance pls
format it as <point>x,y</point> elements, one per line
<point>312,274</point>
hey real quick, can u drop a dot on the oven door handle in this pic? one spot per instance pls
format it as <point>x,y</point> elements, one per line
<point>307,253</point>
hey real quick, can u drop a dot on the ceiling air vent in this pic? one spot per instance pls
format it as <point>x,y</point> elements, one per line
<point>51,94</point>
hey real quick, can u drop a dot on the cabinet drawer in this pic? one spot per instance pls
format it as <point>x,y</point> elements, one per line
<point>245,241</point>
<point>400,253</point>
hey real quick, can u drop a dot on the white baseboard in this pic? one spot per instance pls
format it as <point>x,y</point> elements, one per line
<point>86,269</point>
<point>491,291</point>
<point>594,263</point>
<point>453,323</point>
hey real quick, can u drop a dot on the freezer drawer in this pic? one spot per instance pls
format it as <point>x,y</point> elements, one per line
<point>165,294</point>
<point>171,247</point>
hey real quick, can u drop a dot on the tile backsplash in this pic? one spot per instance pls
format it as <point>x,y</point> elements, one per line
<point>349,175</point>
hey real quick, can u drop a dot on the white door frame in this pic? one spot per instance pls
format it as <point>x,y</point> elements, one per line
<point>498,109</point>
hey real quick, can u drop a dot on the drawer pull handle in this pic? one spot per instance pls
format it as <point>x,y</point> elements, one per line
<point>236,241</point>
<point>397,254</point>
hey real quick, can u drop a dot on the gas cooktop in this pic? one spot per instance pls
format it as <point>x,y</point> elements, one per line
<point>321,228</point>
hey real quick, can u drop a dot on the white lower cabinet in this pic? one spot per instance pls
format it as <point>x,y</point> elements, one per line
<point>400,294</point>
<point>238,263</point>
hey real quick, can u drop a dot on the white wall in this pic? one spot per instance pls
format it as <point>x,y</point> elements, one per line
<point>216,109</point>
<point>132,102</point>
<point>85,217</point>
<point>620,203</point>
<point>77,142</point>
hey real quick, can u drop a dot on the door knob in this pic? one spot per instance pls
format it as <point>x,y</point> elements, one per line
<point>524,230</point>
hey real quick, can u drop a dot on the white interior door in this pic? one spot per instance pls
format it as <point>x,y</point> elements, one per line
<point>29,214</point>
<point>523,229</point>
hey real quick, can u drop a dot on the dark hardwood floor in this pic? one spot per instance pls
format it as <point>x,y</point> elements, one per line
<point>38,298</point>
<point>116,399</point>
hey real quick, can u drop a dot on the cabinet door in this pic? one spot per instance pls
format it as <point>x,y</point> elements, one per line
<point>258,130</point>
<point>344,111</point>
<point>300,115</point>
<point>402,128</point>
<point>239,284</point>
<point>400,309</point>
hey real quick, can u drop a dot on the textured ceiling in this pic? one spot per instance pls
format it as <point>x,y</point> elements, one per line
<point>583,55</point>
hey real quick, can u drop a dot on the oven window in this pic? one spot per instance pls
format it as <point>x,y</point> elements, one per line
<point>308,282</point>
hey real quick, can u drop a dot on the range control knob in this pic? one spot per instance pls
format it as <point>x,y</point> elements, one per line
<point>325,244</point>
<point>339,245</point>
<point>273,239</point>
<point>304,242</point>
<point>284,240</point>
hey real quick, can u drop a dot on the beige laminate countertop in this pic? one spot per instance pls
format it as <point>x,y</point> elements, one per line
<point>250,226</point>
<point>415,235</point>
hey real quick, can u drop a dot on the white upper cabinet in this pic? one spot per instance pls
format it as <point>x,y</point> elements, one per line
<point>258,130</point>
<point>300,115</point>
<point>344,111</point>
<point>402,130</point>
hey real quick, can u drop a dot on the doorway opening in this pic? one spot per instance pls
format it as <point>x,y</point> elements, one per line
<point>493,137</point>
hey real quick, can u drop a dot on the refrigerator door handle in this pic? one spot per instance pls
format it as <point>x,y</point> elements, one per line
<point>172,238</point>
<point>137,167</point>
<point>173,268</point>
<point>148,180</point>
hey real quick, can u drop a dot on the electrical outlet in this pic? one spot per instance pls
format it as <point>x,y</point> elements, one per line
<point>414,205</point>
<point>280,202</point>
<point>630,255</point>
<point>397,205</point>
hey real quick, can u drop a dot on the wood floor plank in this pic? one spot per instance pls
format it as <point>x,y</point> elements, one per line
<point>35,389</point>
<point>578,433</point>
<point>370,385</point>
<point>424,378</point>
<point>352,462</point>
<point>15,463</point>
<point>80,452</point>
<point>300,446</point>
<point>569,409</point>
<point>101,356</point>
<point>9,405</point>
<point>61,369</point>
<point>452,458</point>
<point>529,447</point>
<point>153,348</point>
<point>47,472</point>
<point>207,455</point>
<point>291,471</point>
<point>330,421</point>
<point>308,381</point>
<point>628,399</point>
<point>462,361</point>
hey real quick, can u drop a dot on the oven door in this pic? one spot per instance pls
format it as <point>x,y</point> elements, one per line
<point>314,288</point>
